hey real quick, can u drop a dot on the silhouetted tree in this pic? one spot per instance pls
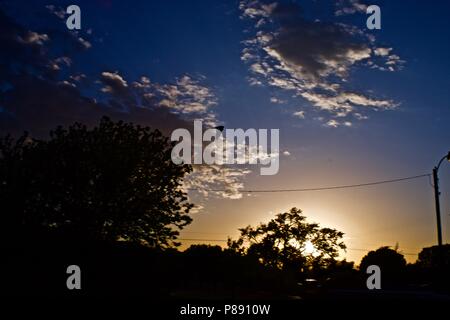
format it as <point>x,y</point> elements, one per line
<point>283,242</point>
<point>431,258</point>
<point>341,274</point>
<point>392,265</point>
<point>113,182</point>
<point>231,273</point>
<point>432,266</point>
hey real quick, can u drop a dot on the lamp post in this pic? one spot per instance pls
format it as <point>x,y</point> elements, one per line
<point>436,198</point>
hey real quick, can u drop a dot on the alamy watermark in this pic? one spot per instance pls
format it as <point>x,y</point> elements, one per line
<point>73,22</point>
<point>229,146</point>
<point>374,20</point>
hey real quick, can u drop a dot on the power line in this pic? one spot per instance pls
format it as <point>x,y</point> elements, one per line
<point>314,189</point>
<point>320,188</point>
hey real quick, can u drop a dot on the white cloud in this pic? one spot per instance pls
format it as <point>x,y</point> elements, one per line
<point>300,114</point>
<point>277,100</point>
<point>314,59</point>
<point>84,43</point>
<point>346,7</point>
<point>113,82</point>
<point>190,99</point>
<point>34,38</point>
<point>187,96</point>
<point>332,123</point>
<point>382,51</point>
<point>215,181</point>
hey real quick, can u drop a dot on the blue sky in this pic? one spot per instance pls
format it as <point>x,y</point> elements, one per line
<point>399,129</point>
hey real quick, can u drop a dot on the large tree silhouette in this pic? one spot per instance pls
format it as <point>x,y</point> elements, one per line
<point>285,242</point>
<point>113,182</point>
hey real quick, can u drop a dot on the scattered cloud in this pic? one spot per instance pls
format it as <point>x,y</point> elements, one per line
<point>113,82</point>
<point>187,96</point>
<point>34,38</point>
<point>382,51</point>
<point>277,100</point>
<point>57,11</point>
<point>346,7</point>
<point>40,91</point>
<point>197,209</point>
<point>216,181</point>
<point>332,123</point>
<point>300,114</point>
<point>313,59</point>
<point>60,13</point>
<point>84,43</point>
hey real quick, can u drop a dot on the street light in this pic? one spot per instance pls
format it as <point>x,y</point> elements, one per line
<point>436,197</point>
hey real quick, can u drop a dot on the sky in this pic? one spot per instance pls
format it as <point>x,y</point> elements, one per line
<point>353,105</point>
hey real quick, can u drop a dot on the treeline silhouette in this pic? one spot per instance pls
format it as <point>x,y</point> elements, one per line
<point>109,199</point>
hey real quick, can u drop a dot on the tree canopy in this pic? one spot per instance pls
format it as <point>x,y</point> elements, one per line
<point>391,263</point>
<point>432,257</point>
<point>289,242</point>
<point>389,260</point>
<point>115,181</point>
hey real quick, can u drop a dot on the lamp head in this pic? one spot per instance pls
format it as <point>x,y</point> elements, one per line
<point>448,156</point>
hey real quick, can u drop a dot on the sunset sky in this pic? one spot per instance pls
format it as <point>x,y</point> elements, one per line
<point>353,105</point>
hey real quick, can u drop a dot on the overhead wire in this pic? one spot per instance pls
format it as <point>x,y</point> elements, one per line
<point>373,183</point>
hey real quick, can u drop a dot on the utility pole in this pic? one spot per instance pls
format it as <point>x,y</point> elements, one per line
<point>437,204</point>
<point>436,199</point>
